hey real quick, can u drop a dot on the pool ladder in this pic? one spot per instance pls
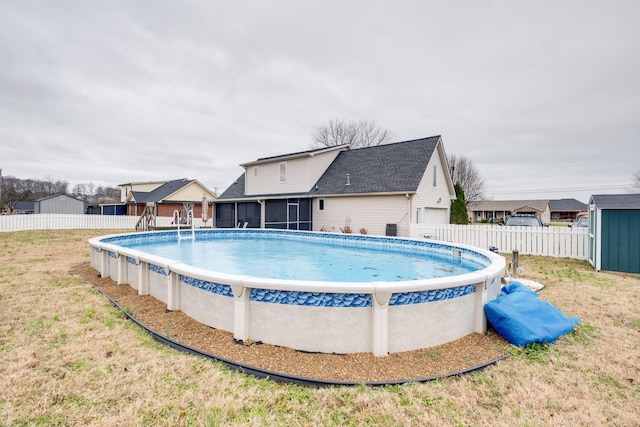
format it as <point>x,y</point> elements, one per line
<point>190,236</point>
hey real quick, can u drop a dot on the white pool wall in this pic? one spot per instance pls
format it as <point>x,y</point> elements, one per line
<point>435,311</point>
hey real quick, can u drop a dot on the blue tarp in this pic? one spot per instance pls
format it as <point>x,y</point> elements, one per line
<point>522,318</point>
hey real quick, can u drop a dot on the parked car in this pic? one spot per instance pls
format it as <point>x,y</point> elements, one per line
<point>581,221</point>
<point>524,220</point>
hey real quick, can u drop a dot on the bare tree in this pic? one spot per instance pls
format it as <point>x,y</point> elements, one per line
<point>79,190</point>
<point>464,172</point>
<point>358,134</point>
<point>635,179</point>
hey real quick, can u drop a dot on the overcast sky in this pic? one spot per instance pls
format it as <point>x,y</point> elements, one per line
<point>542,96</point>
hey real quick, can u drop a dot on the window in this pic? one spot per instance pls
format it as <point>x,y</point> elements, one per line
<point>320,204</point>
<point>435,175</point>
<point>283,171</point>
<point>255,171</point>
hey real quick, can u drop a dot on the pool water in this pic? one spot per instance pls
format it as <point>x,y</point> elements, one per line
<point>307,261</point>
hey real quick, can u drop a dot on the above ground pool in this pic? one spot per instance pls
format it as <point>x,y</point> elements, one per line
<point>321,292</point>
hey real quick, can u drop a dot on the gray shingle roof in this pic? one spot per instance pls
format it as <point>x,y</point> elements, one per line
<point>617,201</point>
<point>235,190</point>
<point>567,205</point>
<point>389,168</point>
<point>161,192</point>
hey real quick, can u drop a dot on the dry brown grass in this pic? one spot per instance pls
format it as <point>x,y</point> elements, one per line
<point>67,357</point>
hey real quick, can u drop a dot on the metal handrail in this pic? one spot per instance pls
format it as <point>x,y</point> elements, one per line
<point>176,219</point>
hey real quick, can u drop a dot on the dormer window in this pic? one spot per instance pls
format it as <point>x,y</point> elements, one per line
<point>283,171</point>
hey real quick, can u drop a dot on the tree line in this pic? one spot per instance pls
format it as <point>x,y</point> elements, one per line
<point>17,190</point>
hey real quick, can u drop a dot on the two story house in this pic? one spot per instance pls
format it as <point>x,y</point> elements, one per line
<point>375,190</point>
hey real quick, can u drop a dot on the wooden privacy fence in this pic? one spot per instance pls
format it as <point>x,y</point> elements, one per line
<point>563,242</point>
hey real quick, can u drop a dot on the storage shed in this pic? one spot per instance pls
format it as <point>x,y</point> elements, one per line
<point>614,232</point>
<point>59,204</point>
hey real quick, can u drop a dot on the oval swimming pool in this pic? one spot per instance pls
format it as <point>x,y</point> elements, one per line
<point>325,292</point>
<point>288,257</point>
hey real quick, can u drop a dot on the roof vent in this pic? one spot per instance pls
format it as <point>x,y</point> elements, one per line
<point>348,180</point>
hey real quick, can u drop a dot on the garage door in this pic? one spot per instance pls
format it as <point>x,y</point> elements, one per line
<point>436,216</point>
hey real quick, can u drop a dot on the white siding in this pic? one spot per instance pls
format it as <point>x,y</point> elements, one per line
<point>370,212</point>
<point>430,201</point>
<point>192,192</point>
<point>302,173</point>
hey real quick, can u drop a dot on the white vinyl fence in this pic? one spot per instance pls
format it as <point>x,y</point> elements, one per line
<point>562,242</point>
<point>67,221</point>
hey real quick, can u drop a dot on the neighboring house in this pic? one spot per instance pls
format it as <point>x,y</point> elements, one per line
<point>379,190</point>
<point>566,209</point>
<point>21,208</point>
<point>59,204</point>
<point>165,197</point>
<point>499,210</point>
<point>614,232</point>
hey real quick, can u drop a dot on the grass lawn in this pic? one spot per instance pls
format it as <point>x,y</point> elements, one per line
<point>67,357</point>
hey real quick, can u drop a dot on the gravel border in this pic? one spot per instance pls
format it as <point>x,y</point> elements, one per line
<point>282,364</point>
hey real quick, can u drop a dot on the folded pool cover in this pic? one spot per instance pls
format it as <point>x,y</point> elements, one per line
<point>522,318</point>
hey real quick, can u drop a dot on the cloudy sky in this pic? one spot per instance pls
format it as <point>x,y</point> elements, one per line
<point>543,97</point>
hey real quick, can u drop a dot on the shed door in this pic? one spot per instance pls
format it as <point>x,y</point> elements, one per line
<point>436,216</point>
<point>620,240</point>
